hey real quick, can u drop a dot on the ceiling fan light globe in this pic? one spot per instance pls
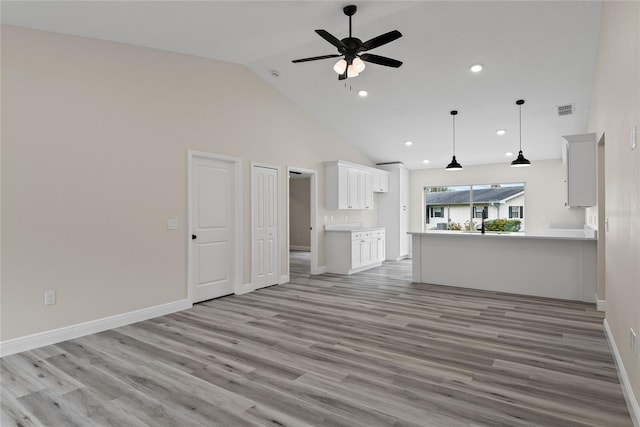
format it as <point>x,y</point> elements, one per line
<point>352,71</point>
<point>340,66</point>
<point>359,64</point>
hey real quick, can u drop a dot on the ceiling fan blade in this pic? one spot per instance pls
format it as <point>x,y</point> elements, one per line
<point>380,40</point>
<point>380,60</point>
<point>331,39</point>
<point>315,58</point>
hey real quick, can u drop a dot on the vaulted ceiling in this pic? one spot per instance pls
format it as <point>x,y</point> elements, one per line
<point>541,51</point>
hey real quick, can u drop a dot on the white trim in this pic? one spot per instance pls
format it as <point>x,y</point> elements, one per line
<point>283,279</point>
<point>245,289</point>
<point>253,219</point>
<point>632,402</point>
<point>237,224</point>
<point>313,210</point>
<point>321,270</point>
<point>299,248</point>
<point>601,304</point>
<point>29,342</point>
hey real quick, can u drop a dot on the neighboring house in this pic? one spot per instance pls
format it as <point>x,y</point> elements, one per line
<point>445,207</point>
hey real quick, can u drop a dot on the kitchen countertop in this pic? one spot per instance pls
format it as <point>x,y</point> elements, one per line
<point>350,227</point>
<point>559,234</point>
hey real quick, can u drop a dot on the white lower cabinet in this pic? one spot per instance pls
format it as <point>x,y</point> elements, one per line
<point>349,251</point>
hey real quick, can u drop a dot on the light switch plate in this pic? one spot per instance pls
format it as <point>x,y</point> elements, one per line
<point>172,224</point>
<point>49,297</point>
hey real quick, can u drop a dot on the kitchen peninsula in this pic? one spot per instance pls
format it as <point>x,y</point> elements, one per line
<point>557,264</point>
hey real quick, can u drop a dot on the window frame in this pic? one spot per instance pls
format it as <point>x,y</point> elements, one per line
<point>471,224</point>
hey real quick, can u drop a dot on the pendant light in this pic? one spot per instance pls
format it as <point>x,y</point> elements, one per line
<point>520,161</point>
<point>454,165</point>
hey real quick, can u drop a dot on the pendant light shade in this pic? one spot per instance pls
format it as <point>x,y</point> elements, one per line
<point>520,161</point>
<point>454,165</point>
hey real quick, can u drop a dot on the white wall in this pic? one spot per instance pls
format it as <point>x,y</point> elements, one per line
<point>615,109</point>
<point>94,161</point>
<point>544,191</point>
<point>299,212</point>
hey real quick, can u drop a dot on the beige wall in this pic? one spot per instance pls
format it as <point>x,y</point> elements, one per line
<point>615,110</point>
<point>299,212</point>
<point>544,191</point>
<point>94,161</point>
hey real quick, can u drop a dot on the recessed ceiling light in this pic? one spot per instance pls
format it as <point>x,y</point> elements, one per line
<point>425,161</point>
<point>363,93</point>
<point>408,143</point>
<point>508,154</point>
<point>501,132</point>
<point>476,68</point>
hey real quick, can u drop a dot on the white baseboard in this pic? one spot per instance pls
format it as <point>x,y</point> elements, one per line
<point>629,396</point>
<point>601,305</point>
<point>300,248</point>
<point>29,342</point>
<point>283,279</point>
<point>244,289</point>
<point>320,270</point>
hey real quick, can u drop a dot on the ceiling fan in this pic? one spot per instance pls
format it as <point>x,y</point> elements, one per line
<point>351,48</point>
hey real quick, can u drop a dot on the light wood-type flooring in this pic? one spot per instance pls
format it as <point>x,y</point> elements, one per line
<point>371,349</point>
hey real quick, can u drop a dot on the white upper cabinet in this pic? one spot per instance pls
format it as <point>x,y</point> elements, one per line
<point>579,157</point>
<point>380,182</point>
<point>351,186</point>
<point>365,190</point>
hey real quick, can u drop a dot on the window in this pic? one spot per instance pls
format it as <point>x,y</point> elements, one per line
<point>460,207</point>
<point>516,211</point>
<point>441,213</point>
<point>436,212</point>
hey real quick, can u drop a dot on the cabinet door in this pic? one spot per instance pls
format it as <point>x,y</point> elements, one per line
<point>365,190</point>
<point>365,244</point>
<point>380,183</point>
<point>352,189</point>
<point>356,253</point>
<point>579,155</point>
<point>379,251</point>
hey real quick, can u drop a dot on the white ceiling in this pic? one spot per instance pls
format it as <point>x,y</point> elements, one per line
<point>543,52</point>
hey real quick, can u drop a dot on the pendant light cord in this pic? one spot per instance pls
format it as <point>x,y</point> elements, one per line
<point>519,103</point>
<point>454,135</point>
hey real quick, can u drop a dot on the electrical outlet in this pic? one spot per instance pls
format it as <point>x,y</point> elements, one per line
<point>49,297</point>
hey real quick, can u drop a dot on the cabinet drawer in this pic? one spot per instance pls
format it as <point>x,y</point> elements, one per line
<point>379,233</point>
<point>361,235</point>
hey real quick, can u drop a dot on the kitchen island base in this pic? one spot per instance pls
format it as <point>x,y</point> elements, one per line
<point>550,266</point>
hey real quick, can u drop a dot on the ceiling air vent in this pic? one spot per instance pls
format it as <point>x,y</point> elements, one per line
<point>565,110</point>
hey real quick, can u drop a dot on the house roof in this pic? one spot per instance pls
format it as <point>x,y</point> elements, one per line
<point>486,195</point>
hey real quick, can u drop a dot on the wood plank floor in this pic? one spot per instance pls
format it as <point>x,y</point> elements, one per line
<point>371,349</point>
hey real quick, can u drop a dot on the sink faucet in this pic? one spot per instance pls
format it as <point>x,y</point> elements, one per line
<point>485,214</point>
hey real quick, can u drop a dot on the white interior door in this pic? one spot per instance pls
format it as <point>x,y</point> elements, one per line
<point>212,228</point>
<point>264,205</point>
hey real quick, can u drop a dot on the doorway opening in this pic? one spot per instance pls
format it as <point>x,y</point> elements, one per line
<point>301,221</point>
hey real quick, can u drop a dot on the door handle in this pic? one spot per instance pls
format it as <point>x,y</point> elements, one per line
<point>194,237</point>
